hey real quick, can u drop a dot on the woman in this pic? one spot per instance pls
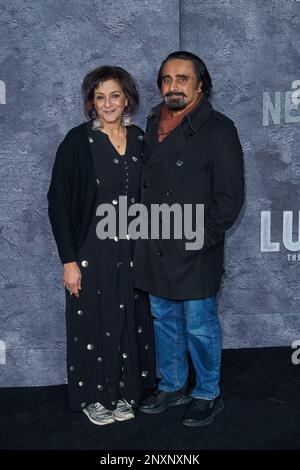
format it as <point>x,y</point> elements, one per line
<point>110,349</point>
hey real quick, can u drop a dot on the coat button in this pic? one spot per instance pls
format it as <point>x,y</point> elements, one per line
<point>116,160</point>
<point>98,182</point>
<point>145,185</point>
<point>169,192</point>
<point>159,253</point>
<point>115,202</point>
<point>134,159</point>
<point>179,163</point>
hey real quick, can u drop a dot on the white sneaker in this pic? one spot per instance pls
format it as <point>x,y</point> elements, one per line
<point>98,414</point>
<point>123,412</point>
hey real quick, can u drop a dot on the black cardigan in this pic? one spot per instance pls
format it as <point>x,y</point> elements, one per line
<point>72,192</point>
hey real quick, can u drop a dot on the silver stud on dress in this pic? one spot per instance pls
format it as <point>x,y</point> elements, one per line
<point>80,313</point>
<point>90,140</point>
<point>84,263</point>
<point>81,383</point>
<point>144,373</point>
<point>90,347</point>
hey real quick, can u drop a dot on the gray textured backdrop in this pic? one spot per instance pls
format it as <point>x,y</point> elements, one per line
<point>46,47</point>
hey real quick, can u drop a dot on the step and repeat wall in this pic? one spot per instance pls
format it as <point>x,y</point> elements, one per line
<point>251,49</point>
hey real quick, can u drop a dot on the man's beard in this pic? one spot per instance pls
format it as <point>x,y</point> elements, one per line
<point>175,104</point>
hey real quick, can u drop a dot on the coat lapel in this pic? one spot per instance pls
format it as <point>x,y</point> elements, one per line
<point>172,144</point>
<point>176,141</point>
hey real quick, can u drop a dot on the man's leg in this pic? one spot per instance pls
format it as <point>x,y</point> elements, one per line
<point>205,346</point>
<point>171,354</point>
<point>170,342</point>
<point>204,342</point>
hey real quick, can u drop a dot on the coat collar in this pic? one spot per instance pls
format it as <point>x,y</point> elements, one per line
<point>195,118</point>
<point>177,140</point>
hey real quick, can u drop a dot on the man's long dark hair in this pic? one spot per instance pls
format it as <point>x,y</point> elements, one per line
<point>199,67</point>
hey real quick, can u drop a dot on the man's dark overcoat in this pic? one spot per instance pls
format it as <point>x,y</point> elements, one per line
<point>200,162</point>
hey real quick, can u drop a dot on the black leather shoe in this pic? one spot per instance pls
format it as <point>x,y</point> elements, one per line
<point>159,401</point>
<point>201,412</point>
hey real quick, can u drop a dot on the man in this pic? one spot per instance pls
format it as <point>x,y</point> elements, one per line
<point>193,156</point>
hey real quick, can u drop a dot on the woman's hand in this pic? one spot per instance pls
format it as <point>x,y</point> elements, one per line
<point>72,278</point>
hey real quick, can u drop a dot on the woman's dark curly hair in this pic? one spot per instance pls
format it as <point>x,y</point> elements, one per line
<point>102,74</point>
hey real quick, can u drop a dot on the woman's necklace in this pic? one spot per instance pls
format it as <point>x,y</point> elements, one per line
<point>123,136</point>
<point>119,141</point>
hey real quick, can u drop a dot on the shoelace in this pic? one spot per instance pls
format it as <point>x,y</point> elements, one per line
<point>123,406</point>
<point>201,404</point>
<point>98,407</point>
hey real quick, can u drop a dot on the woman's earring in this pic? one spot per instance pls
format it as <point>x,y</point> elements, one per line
<point>97,123</point>
<point>126,118</point>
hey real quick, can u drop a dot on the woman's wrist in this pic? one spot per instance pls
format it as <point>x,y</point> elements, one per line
<point>71,264</point>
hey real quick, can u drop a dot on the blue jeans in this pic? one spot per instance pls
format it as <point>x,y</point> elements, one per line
<point>185,325</point>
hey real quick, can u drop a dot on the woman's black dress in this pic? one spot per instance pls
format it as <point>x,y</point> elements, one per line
<point>110,344</point>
